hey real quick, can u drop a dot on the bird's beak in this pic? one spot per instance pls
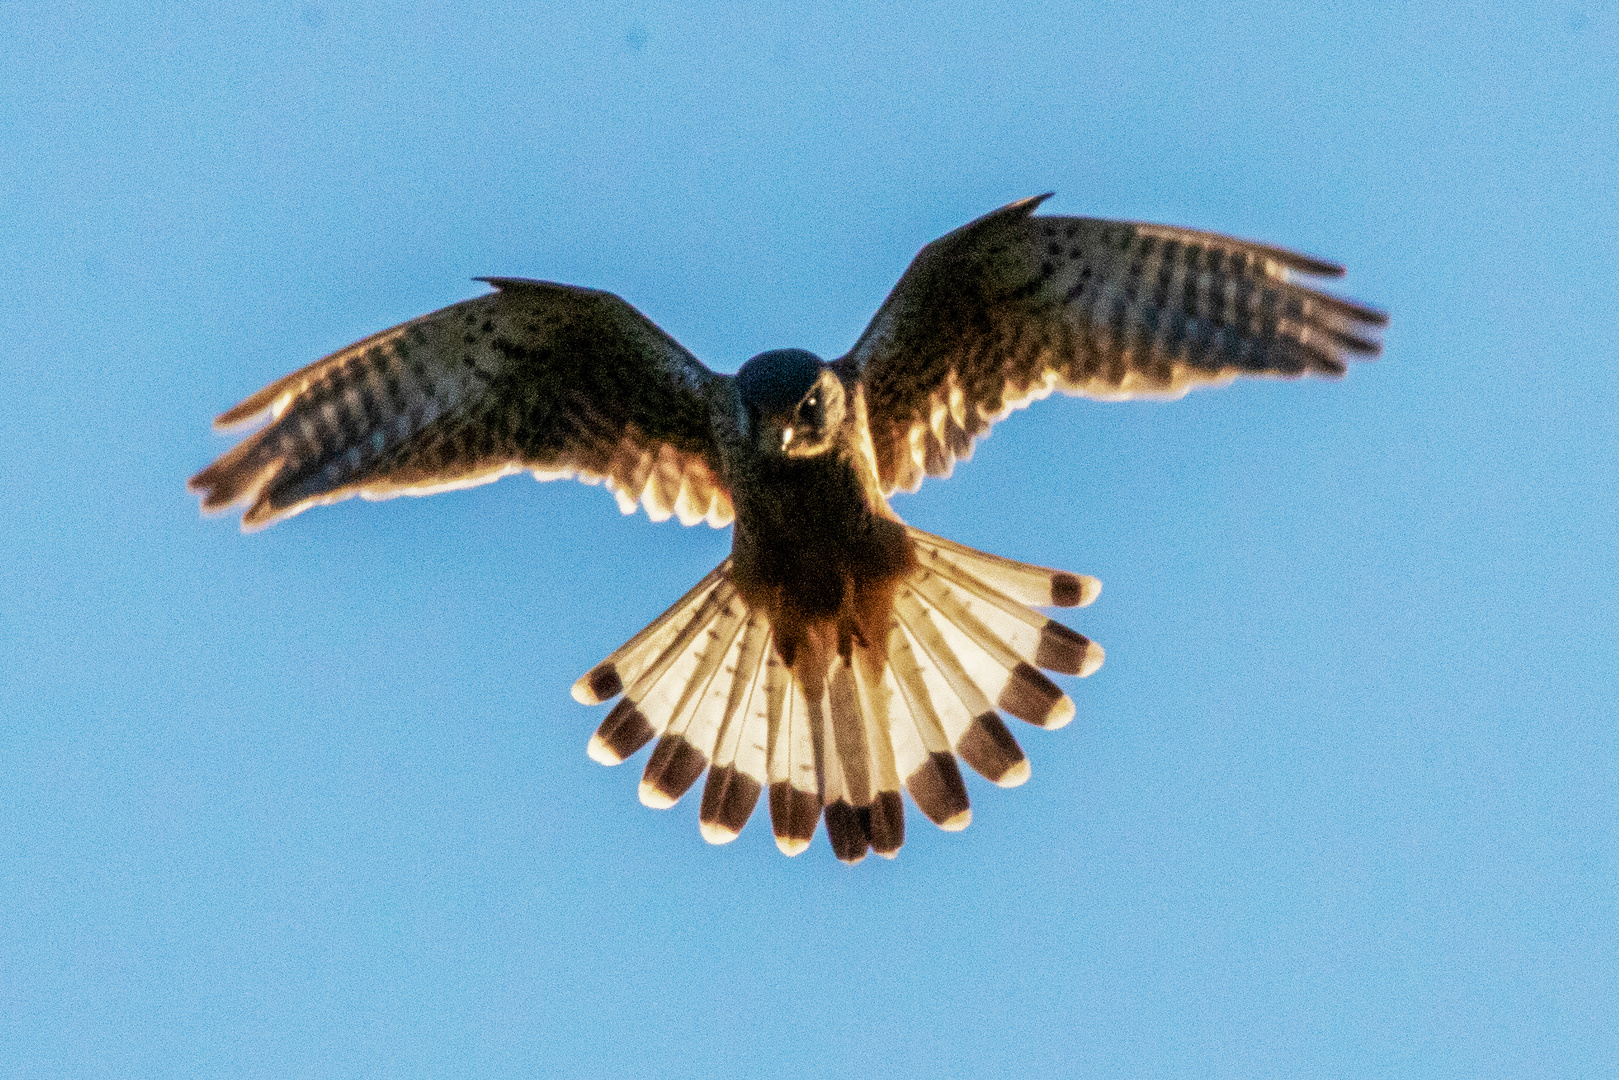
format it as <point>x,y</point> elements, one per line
<point>786,436</point>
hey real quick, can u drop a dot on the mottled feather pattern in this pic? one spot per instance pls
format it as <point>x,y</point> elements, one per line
<point>555,380</point>
<point>1011,307</point>
<point>964,648</point>
<point>838,656</point>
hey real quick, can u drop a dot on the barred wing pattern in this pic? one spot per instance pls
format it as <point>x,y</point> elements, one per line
<point>553,379</point>
<point>1010,307</point>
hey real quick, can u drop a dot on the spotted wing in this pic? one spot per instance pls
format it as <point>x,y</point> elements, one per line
<point>552,379</point>
<point>1010,307</point>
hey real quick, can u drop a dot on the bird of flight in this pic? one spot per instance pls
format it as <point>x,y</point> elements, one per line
<point>837,654</point>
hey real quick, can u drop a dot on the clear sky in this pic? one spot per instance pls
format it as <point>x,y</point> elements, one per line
<point>1343,802</point>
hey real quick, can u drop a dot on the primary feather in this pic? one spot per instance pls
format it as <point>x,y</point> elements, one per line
<point>551,379</point>
<point>837,656</point>
<point>1010,307</point>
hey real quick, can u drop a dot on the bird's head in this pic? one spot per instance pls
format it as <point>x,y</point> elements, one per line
<point>795,402</point>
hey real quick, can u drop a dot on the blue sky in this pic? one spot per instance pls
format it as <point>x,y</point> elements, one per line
<point>314,802</point>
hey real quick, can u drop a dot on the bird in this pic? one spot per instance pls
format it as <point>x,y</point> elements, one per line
<point>837,656</point>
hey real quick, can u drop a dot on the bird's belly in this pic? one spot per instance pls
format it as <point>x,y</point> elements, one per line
<point>826,581</point>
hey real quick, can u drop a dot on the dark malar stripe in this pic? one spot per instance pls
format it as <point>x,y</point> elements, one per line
<point>939,792</point>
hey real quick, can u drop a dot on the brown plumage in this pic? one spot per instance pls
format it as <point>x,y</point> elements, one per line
<point>837,655</point>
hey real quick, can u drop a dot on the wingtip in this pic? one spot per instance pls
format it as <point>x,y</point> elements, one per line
<point>1371,316</point>
<point>1314,267</point>
<point>1012,211</point>
<point>1023,207</point>
<point>273,399</point>
<point>232,419</point>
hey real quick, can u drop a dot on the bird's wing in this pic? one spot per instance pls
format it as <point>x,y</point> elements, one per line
<point>1010,307</point>
<point>552,379</point>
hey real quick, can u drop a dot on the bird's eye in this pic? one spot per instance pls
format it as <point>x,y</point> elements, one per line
<point>811,401</point>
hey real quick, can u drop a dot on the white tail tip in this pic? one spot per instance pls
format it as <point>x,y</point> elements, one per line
<point>601,752</point>
<point>713,833</point>
<point>1093,659</point>
<point>651,796</point>
<point>1015,776</point>
<point>1061,713</point>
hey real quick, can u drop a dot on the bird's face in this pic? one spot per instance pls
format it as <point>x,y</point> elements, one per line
<point>795,402</point>
<point>812,426</point>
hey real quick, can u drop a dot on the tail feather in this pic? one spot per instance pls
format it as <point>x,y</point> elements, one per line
<point>795,788</point>
<point>1047,643</point>
<point>684,749</point>
<point>845,765</point>
<point>921,747</point>
<point>977,734</point>
<point>629,661</point>
<point>863,808</point>
<point>661,677</point>
<point>738,771</point>
<point>885,828</point>
<point>964,646</point>
<point>1018,687</point>
<point>1033,585</point>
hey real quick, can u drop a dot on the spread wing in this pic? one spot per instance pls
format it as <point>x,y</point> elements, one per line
<point>1010,307</point>
<point>552,379</point>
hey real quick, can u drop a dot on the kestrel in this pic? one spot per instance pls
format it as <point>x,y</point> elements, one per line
<point>837,654</point>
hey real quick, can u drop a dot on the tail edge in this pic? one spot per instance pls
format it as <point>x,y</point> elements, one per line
<point>704,683</point>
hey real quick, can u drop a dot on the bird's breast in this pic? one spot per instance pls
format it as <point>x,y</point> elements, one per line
<point>814,553</point>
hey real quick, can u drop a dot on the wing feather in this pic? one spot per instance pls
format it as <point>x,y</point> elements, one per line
<point>551,379</point>
<point>1012,307</point>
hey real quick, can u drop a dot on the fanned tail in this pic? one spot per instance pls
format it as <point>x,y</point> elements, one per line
<point>964,646</point>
